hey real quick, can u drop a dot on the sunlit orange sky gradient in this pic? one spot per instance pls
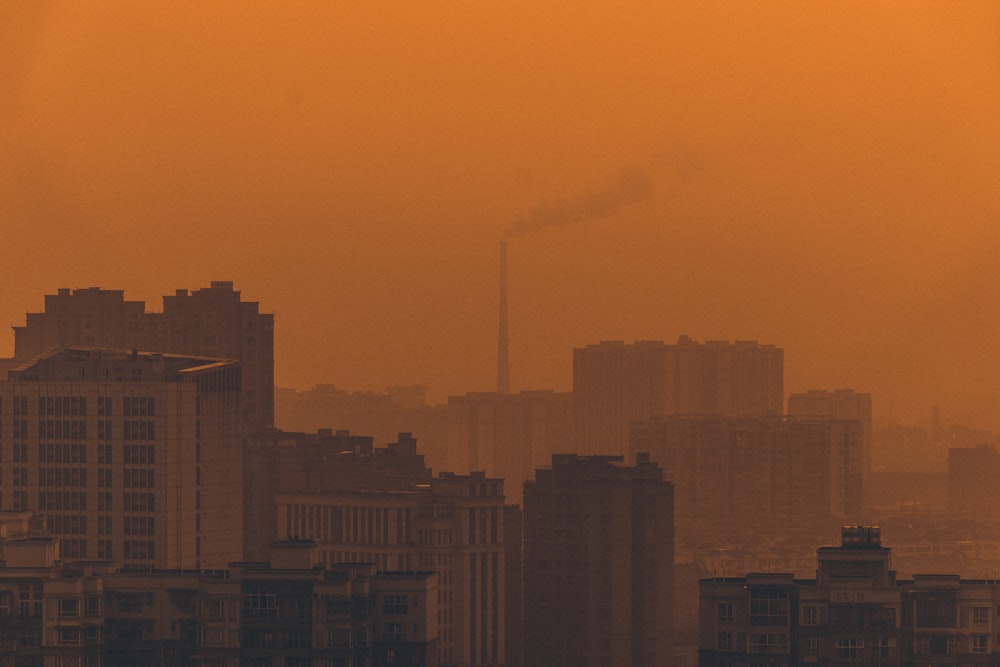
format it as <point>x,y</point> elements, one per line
<point>824,176</point>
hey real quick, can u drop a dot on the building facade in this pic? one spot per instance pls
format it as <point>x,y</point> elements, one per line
<point>756,472</point>
<point>839,404</point>
<point>598,564</point>
<point>508,435</point>
<point>615,384</point>
<point>285,612</point>
<point>854,612</point>
<point>133,457</point>
<point>209,322</point>
<point>452,525</point>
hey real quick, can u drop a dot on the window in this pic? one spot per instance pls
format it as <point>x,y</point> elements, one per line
<point>725,642</point>
<point>766,642</point>
<point>885,647</point>
<point>92,606</point>
<point>850,648</point>
<point>69,607</point>
<point>810,615</point>
<point>394,632</point>
<point>394,605</point>
<point>260,605</point>
<point>980,615</point>
<point>725,612</point>
<point>980,643</point>
<point>209,636</point>
<point>810,645</point>
<point>69,637</point>
<point>768,606</point>
<point>211,609</point>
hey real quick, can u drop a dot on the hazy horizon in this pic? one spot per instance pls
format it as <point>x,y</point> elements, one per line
<point>820,177</point>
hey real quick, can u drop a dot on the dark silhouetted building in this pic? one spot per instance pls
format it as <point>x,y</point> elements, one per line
<point>209,322</point>
<point>615,384</point>
<point>451,524</point>
<point>853,612</point>
<point>288,611</point>
<point>598,564</point>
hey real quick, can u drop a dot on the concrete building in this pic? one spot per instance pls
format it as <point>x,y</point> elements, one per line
<point>209,322</point>
<point>598,564</point>
<point>508,435</point>
<point>452,525</point>
<point>615,384</point>
<point>326,461</point>
<point>134,457</point>
<point>754,473</point>
<point>839,404</point>
<point>853,612</point>
<point>286,611</point>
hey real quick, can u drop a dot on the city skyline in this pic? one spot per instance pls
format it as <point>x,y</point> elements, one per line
<point>819,178</point>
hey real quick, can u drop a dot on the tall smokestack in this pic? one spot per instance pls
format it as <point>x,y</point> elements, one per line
<point>503,344</point>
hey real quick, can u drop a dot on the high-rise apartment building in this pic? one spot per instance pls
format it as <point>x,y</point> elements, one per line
<point>839,404</point>
<point>209,322</point>
<point>452,525</point>
<point>615,383</point>
<point>131,456</point>
<point>755,472</point>
<point>598,564</point>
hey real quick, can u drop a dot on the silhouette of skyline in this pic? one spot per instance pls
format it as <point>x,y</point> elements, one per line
<point>829,183</point>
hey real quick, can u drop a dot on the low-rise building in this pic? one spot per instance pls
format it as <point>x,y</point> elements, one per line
<point>288,612</point>
<point>854,612</point>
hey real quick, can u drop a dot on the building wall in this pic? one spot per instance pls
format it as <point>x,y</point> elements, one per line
<point>854,612</point>
<point>756,471</point>
<point>598,564</point>
<point>453,526</point>
<point>211,322</point>
<point>615,384</point>
<point>839,404</point>
<point>90,615</point>
<point>508,435</point>
<point>129,457</point>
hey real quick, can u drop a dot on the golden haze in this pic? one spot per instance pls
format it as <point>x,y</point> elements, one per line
<point>822,176</point>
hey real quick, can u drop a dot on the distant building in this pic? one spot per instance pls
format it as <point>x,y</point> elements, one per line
<point>598,564</point>
<point>209,322</point>
<point>972,482</point>
<point>615,384</point>
<point>508,435</point>
<point>380,415</point>
<point>756,472</point>
<point>130,456</point>
<point>289,463</point>
<point>453,524</point>
<point>286,611</point>
<point>853,612</point>
<point>839,404</point>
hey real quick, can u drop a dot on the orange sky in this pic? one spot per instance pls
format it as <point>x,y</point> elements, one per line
<point>822,176</point>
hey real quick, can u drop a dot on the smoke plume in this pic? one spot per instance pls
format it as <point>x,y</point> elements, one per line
<point>632,185</point>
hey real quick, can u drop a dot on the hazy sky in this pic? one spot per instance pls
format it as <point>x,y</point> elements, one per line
<point>821,176</point>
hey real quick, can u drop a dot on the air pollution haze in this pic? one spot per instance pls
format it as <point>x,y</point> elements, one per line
<point>819,176</point>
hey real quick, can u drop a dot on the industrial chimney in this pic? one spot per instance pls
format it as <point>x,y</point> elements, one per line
<point>503,344</point>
